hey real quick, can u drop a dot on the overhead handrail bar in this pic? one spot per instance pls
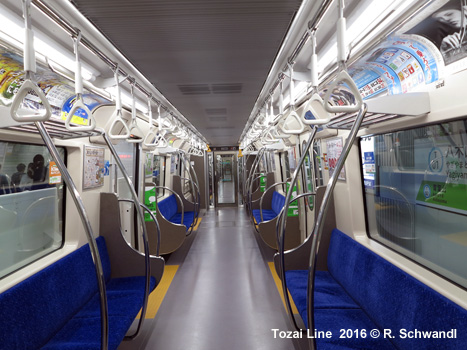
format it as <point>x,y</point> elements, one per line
<point>154,219</point>
<point>29,70</point>
<point>173,192</point>
<point>264,193</point>
<point>151,136</point>
<point>144,235</point>
<point>96,50</point>
<point>88,230</point>
<point>343,75</point>
<point>79,102</point>
<point>134,125</point>
<point>288,197</point>
<point>318,228</point>
<point>117,116</point>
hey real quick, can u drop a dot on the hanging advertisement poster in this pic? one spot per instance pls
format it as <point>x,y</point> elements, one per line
<point>443,24</point>
<point>94,167</point>
<point>334,150</point>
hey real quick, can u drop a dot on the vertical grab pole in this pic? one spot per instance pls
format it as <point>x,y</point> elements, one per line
<point>318,229</point>
<point>88,229</point>
<point>144,234</point>
<point>283,222</point>
<point>252,175</point>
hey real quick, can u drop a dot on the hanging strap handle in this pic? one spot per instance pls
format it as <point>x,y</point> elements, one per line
<point>134,125</point>
<point>293,115</point>
<point>117,116</point>
<point>29,85</point>
<point>343,76</point>
<point>79,103</point>
<point>150,139</point>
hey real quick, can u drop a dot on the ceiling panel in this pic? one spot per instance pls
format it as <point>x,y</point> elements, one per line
<point>201,54</point>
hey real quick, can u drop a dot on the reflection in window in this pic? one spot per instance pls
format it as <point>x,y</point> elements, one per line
<point>158,174</point>
<point>416,194</point>
<point>31,205</point>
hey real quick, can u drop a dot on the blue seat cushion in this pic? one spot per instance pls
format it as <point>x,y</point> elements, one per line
<point>188,218</point>
<point>278,202</point>
<point>394,299</point>
<point>328,293</point>
<point>268,214</point>
<point>58,307</point>
<point>168,207</point>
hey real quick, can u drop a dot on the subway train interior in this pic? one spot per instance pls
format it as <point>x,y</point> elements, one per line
<point>233,174</point>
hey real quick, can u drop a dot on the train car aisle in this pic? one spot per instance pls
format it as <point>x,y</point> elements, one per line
<point>223,295</point>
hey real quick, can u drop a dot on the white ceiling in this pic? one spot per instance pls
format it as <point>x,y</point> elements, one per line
<point>210,58</point>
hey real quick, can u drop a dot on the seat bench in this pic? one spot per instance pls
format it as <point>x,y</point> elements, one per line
<point>277,204</point>
<point>59,308</point>
<point>361,290</point>
<point>169,209</point>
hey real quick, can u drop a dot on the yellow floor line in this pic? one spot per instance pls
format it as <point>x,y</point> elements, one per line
<point>279,287</point>
<point>156,297</point>
<point>197,225</point>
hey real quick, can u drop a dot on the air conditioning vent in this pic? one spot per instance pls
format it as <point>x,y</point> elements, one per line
<point>226,88</point>
<point>195,89</point>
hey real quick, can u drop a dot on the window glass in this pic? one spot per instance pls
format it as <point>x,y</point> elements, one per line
<point>31,204</point>
<point>415,185</point>
<point>308,176</point>
<point>126,152</point>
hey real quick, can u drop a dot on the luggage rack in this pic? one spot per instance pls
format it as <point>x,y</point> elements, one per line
<point>345,120</point>
<point>386,108</point>
<point>56,128</point>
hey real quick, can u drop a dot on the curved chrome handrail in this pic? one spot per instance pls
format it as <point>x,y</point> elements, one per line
<point>153,217</point>
<point>176,195</point>
<point>280,241</point>
<point>283,220</point>
<point>196,204</point>
<point>265,191</point>
<point>143,233</point>
<point>318,229</point>
<point>88,230</point>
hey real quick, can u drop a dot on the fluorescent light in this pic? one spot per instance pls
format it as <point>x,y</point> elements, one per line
<point>12,27</point>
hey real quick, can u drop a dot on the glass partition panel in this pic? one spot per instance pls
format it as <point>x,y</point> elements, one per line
<point>31,205</point>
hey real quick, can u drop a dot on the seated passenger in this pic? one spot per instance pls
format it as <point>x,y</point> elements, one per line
<point>4,183</point>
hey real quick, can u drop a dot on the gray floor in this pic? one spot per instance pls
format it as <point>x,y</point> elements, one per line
<point>223,295</point>
<point>226,192</point>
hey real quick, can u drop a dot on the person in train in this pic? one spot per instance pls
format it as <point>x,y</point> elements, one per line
<point>38,172</point>
<point>4,183</point>
<point>17,177</point>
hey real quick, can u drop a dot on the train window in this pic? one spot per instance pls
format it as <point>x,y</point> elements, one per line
<point>158,174</point>
<point>285,166</point>
<point>31,205</point>
<point>415,184</point>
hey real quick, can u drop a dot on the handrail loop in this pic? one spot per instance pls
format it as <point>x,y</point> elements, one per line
<point>318,228</point>
<point>29,84</point>
<point>79,102</point>
<point>143,226</point>
<point>153,217</point>
<point>283,221</point>
<point>292,113</point>
<point>117,116</point>
<point>176,195</point>
<point>88,230</point>
<point>265,191</point>
<point>151,135</point>
<point>134,125</point>
<point>343,75</point>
